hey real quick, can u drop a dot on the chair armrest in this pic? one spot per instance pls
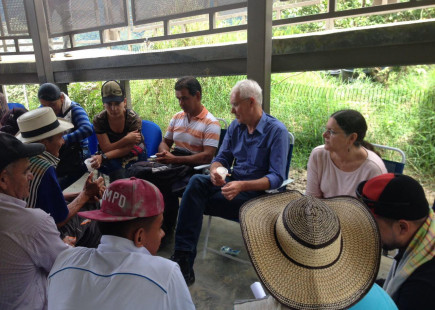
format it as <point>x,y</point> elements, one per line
<point>202,167</point>
<point>284,184</point>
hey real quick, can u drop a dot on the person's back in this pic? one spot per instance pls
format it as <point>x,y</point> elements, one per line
<point>122,276</point>
<point>123,272</point>
<point>29,240</point>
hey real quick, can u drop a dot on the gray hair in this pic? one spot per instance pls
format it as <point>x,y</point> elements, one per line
<point>247,89</point>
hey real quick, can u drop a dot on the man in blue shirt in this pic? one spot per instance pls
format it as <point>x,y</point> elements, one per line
<point>258,145</point>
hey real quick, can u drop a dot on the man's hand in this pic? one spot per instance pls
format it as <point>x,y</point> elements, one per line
<point>133,137</point>
<point>165,157</point>
<point>94,189</point>
<point>232,189</point>
<point>216,178</point>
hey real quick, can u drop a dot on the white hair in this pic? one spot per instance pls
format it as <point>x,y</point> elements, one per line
<point>247,89</point>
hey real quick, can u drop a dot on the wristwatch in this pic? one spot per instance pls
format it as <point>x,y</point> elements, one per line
<point>103,156</point>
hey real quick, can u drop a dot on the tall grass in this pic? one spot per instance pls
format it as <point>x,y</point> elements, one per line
<point>400,113</point>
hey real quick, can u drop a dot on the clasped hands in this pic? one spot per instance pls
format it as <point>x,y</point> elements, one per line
<point>230,189</point>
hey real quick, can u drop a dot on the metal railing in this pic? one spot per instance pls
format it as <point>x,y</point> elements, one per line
<point>130,26</point>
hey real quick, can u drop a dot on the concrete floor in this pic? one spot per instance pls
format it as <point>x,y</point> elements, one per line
<point>219,280</point>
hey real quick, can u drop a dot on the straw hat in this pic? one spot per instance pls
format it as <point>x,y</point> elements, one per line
<point>39,124</point>
<point>312,253</point>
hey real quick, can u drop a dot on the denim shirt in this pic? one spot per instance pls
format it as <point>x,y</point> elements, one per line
<point>260,154</point>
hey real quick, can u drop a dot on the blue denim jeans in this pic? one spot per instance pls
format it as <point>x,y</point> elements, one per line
<point>201,195</point>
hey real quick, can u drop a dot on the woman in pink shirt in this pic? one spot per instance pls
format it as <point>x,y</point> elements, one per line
<point>345,160</point>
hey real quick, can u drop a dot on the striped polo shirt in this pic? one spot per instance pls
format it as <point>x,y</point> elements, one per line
<point>202,130</point>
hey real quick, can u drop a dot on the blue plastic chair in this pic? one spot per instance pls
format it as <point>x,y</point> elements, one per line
<point>93,142</point>
<point>12,105</point>
<point>391,165</point>
<point>152,135</point>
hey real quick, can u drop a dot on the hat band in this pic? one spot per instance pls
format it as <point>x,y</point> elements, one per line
<point>311,257</point>
<point>40,131</point>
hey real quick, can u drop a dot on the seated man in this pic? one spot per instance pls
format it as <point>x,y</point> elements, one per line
<point>195,133</point>
<point>408,224</point>
<point>260,144</point>
<point>313,253</point>
<point>122,273</point>
<point>42,125</point>
<point>75,150</point>
<point>118,132</point>
<point>29,240</point>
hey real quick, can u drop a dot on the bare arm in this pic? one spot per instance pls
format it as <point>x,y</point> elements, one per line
<point>165,145</point>
<point>131,139</point>
<point>91,190</point>
<point>200,158</point>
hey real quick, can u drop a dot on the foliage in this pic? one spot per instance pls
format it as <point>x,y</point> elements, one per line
<point>399,113</point>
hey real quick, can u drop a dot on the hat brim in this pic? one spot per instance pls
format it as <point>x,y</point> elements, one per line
<point>101,216</point>
<point>335,287</point>
<point>63,126</point>
<point>113,99</point>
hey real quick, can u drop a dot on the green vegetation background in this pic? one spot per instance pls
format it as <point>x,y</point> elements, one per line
<point>400,112</point>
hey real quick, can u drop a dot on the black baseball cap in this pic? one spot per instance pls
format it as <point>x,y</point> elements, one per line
<point>13,149</point>
<point>394,196</point>
<point>49,92</point>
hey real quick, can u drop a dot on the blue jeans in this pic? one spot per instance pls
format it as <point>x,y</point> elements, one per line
<point>115,164</point>
<point>201,195</point>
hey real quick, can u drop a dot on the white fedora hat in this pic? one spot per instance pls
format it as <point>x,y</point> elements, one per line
<point>39,124</point>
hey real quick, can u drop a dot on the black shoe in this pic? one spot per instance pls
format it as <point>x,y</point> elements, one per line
<point>182,259</point>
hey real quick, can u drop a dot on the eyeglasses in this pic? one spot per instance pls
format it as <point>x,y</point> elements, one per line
<point>237,103</point>
<point>331,132</point>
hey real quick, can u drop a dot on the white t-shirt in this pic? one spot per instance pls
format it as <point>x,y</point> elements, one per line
<point>325,180</point>
<point>116,275</point>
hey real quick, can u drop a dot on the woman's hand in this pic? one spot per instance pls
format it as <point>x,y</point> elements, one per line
<point>133,137</point>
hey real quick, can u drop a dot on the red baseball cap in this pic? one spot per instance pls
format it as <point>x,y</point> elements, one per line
<point>127,199</point>
<point>394,196</point>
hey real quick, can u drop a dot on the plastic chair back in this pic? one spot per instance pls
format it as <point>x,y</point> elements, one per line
<point>391,165</point>
<point>152,135</point>
<point>12,105</point>
<point>93,142</point>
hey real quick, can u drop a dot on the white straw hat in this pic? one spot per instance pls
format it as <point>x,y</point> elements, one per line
<point>312,253</point>
<point>39,124</point>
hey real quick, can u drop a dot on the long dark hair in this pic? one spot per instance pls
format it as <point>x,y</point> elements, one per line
<point>352,121</point>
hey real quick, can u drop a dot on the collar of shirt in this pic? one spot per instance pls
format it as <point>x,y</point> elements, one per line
<point>50,158</point>
<point>261,124</point>
<point>12,200</point>
<point>201,115</point>
<point>118,244</point>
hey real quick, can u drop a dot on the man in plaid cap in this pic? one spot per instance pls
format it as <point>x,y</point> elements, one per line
<point>122,273</point>
<point>406,223</point>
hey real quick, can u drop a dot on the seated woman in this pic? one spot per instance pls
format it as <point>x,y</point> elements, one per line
<point>345,160</point>
<point>118,131</point>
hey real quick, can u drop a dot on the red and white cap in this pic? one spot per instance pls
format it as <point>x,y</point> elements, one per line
<point>127,199</point>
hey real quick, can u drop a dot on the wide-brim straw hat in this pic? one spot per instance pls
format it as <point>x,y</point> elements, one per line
<point>39,124</point>
<point>312,253</point>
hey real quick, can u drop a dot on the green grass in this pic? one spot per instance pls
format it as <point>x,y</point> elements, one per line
<point>400,112</point>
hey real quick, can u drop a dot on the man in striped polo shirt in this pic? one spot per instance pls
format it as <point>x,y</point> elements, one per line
<point>194,135</point>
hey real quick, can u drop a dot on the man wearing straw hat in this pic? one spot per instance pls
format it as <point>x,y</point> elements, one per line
<point>123,272</point>
<point>29,240</point>
<point>42,125</point>
<point>408,224</point>
<point>260,144</point>
<point>313,253</point>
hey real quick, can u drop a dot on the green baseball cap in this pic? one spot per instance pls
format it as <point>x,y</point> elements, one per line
<point>111,91</point>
